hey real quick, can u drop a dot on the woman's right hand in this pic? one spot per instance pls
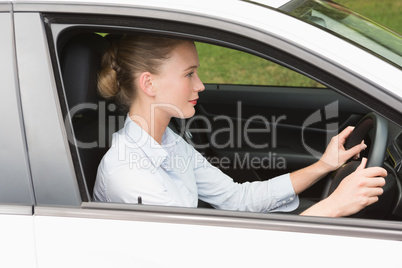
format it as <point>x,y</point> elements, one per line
<point>358,190</point>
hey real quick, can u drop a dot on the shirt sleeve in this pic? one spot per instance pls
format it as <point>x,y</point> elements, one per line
<point>222,192</point>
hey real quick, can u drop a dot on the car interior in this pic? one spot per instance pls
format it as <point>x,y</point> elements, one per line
<point>291,140</point>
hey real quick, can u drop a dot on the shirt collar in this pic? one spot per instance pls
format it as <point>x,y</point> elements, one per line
<point>139,138</point>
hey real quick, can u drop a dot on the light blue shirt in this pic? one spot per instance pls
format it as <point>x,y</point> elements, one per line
<point>175,174</point>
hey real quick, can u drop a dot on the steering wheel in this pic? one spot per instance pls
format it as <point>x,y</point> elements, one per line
<point>376,154</point>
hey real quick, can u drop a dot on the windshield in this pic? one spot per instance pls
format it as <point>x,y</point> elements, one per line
<point>349,25</point>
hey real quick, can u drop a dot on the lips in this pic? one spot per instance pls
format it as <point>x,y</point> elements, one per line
<point>194,102</point>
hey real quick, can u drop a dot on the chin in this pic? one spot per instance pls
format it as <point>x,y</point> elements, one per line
<point>186,114</point>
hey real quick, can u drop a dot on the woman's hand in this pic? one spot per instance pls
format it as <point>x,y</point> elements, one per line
<point>336,155</point>
<point>355,192</point>
<point>358,190</point>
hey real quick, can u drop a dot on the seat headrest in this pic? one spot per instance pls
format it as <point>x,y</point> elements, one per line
<point>80,63</point>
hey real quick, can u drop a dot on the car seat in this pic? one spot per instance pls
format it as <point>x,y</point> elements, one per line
<point>93,119</point>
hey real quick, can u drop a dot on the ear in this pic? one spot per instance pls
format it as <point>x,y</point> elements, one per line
<point>145,83</point>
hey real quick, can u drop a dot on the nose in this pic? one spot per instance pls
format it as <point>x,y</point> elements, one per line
<point>199,86</point>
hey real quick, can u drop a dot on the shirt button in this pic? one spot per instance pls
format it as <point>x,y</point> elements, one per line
<point>284,202</point>
<point>291,199</point>
<point>166,165</point>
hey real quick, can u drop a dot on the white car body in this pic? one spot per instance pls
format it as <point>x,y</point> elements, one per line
<point>71,232</point>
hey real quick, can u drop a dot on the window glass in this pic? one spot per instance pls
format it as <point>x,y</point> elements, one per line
<point>264,121</point>
<point>351,26</point>
<point>221,65</point>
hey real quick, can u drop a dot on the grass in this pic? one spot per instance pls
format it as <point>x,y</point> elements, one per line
<point>385,12</point>
<point>227,66</point>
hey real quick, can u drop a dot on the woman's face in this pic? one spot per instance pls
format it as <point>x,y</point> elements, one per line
<point>177,84</point>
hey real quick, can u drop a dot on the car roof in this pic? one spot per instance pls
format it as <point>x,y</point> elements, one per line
<point>269,3</point>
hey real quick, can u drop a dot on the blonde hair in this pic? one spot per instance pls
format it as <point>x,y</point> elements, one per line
<point>126,59</point>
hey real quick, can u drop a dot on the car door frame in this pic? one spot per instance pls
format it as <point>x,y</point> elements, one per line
<point>16,192</point>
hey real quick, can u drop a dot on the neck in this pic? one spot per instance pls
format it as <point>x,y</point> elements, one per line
<point>153,122</point>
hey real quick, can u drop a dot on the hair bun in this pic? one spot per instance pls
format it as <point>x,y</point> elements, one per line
<point>108,85</point>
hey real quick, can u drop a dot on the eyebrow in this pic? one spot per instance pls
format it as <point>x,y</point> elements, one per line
<point>192,67</point>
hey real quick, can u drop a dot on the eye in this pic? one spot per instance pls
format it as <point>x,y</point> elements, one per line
<point>190,74</point>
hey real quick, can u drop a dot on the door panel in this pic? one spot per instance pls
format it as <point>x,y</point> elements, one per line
<point>17,245</point>
<point>120,238</point>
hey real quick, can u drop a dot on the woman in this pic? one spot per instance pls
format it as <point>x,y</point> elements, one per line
<point>156,79</point>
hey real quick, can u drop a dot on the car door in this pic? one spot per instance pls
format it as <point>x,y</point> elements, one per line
<point>73,231</point>
<point>17,244</point>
